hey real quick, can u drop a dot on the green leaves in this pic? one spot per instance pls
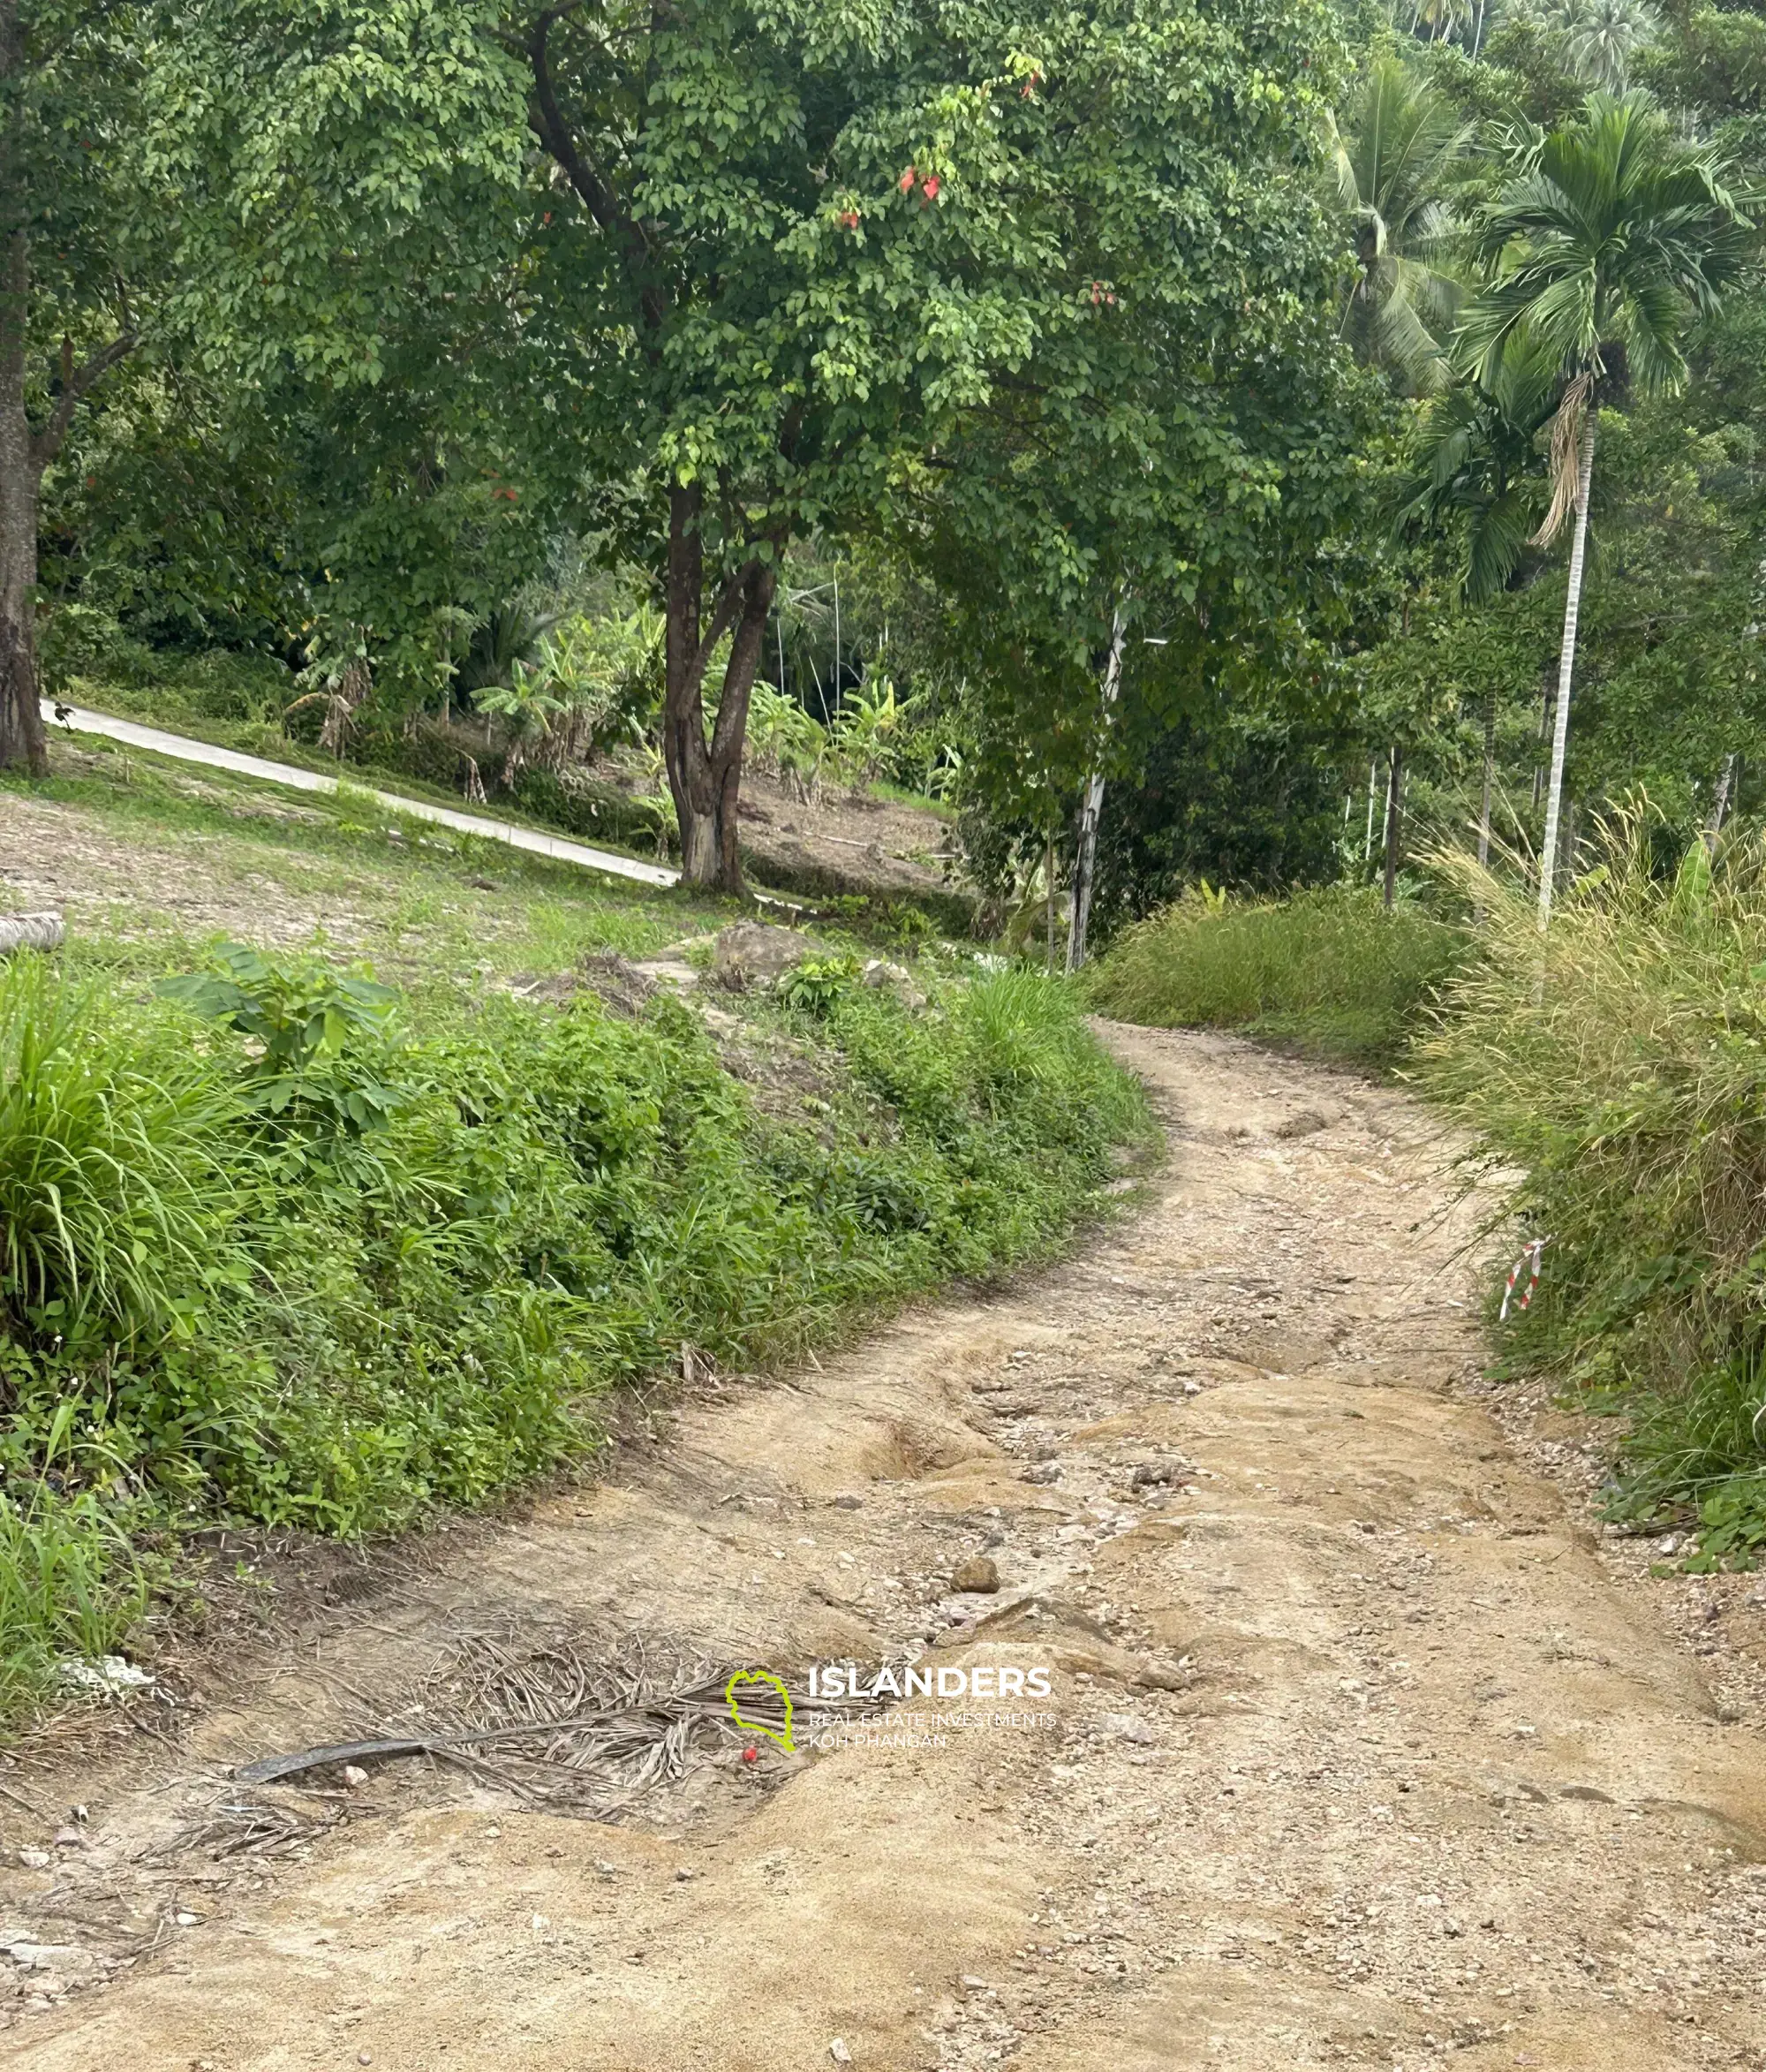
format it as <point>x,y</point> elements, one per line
<point>300,1014</point>
<point>1616,236</point>
<point>312,1028</point>
<point>327,161</point>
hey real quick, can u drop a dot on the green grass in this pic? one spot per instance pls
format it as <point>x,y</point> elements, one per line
<point>73,1586</point>
<point>1330,972</point>
<point>1620,1069</point>
<point>920,801</point>
<point>279,1253</point>
<point>435,906</point>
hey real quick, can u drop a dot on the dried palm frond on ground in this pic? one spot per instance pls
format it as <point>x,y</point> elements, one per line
<point>572,1717</point>
<point>241,1824</point>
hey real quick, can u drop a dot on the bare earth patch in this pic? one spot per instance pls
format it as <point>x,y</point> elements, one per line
<point>872,844</point>
<point>1362,1748</point>
<point>108,881</point>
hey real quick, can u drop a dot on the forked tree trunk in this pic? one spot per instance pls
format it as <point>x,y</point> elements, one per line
<point>1091,807</point>
<point>705,776</point>
<point>1566,665</point>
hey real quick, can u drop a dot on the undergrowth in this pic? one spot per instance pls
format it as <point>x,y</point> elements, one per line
<point>1331,971</point>
<point>1619,1065</point>
<point>276,1249</point>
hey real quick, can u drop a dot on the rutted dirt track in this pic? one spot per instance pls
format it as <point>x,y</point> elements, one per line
<point>1359,1753</point>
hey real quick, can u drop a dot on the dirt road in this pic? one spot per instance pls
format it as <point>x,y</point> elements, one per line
<point>1356,1752</point>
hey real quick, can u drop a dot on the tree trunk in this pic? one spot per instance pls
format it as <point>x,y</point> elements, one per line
<point>21,720</point>
<point>1048,895</point>
<point>684,753</point>
<point>1084,863</point>
<point>704,777</point>
<point>1085,858</point>
<point>1393,787</point>
<point>730,734</point>
<point>1720,802</point>
<point>1566,665</point>
<point>1490,777</point>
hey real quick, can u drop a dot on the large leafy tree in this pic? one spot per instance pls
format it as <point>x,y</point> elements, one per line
<point>1607,245</point>
<point>817,256</point>
<point>71,238</point>
<point>273,189</point>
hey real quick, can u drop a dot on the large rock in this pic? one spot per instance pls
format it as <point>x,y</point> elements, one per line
<point>751,951</point>
<point>884,977</point>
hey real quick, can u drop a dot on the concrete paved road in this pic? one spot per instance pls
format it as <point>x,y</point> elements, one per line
<point>185,750</point>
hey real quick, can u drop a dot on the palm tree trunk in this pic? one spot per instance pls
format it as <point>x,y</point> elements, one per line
<point>1489,776</point>
<point>1085,860</point>
<point>1048,890</point>
<point>1394,789</point>
<point>1566,667</point>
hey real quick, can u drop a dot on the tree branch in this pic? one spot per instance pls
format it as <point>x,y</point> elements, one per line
<point>596,196</point>
<point>555,132</point>
<point>728,609</point>
<point>76,382</point>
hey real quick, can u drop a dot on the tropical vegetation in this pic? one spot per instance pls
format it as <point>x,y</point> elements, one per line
<point>1201,455</point>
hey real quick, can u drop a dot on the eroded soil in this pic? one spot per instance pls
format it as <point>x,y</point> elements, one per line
<point>1361,1748</point>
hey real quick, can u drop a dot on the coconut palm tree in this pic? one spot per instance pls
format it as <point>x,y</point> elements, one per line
<point>1606,246</point>
<point>1398,158</point>
<point>1601,36</point>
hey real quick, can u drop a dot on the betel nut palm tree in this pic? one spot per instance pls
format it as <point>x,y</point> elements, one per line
<point>1613,239</point>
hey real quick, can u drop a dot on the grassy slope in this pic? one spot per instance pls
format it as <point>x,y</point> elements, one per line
<point>1330,972</point>
<point>1612,1079</point>
<point>594,810</point>
<point>295,1325</point>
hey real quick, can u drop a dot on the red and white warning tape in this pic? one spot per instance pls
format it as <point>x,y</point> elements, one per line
<point>1531,1255</point>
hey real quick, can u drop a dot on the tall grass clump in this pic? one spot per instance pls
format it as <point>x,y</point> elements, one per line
<point>1329,971</point>
<point>115,1200</point>
<point>1614,1075</point>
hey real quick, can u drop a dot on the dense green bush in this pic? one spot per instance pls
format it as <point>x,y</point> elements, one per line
<point>1619,1067</point>
<point>275,1254</point>
<point>85,649</point>
<point>1330,971</point>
